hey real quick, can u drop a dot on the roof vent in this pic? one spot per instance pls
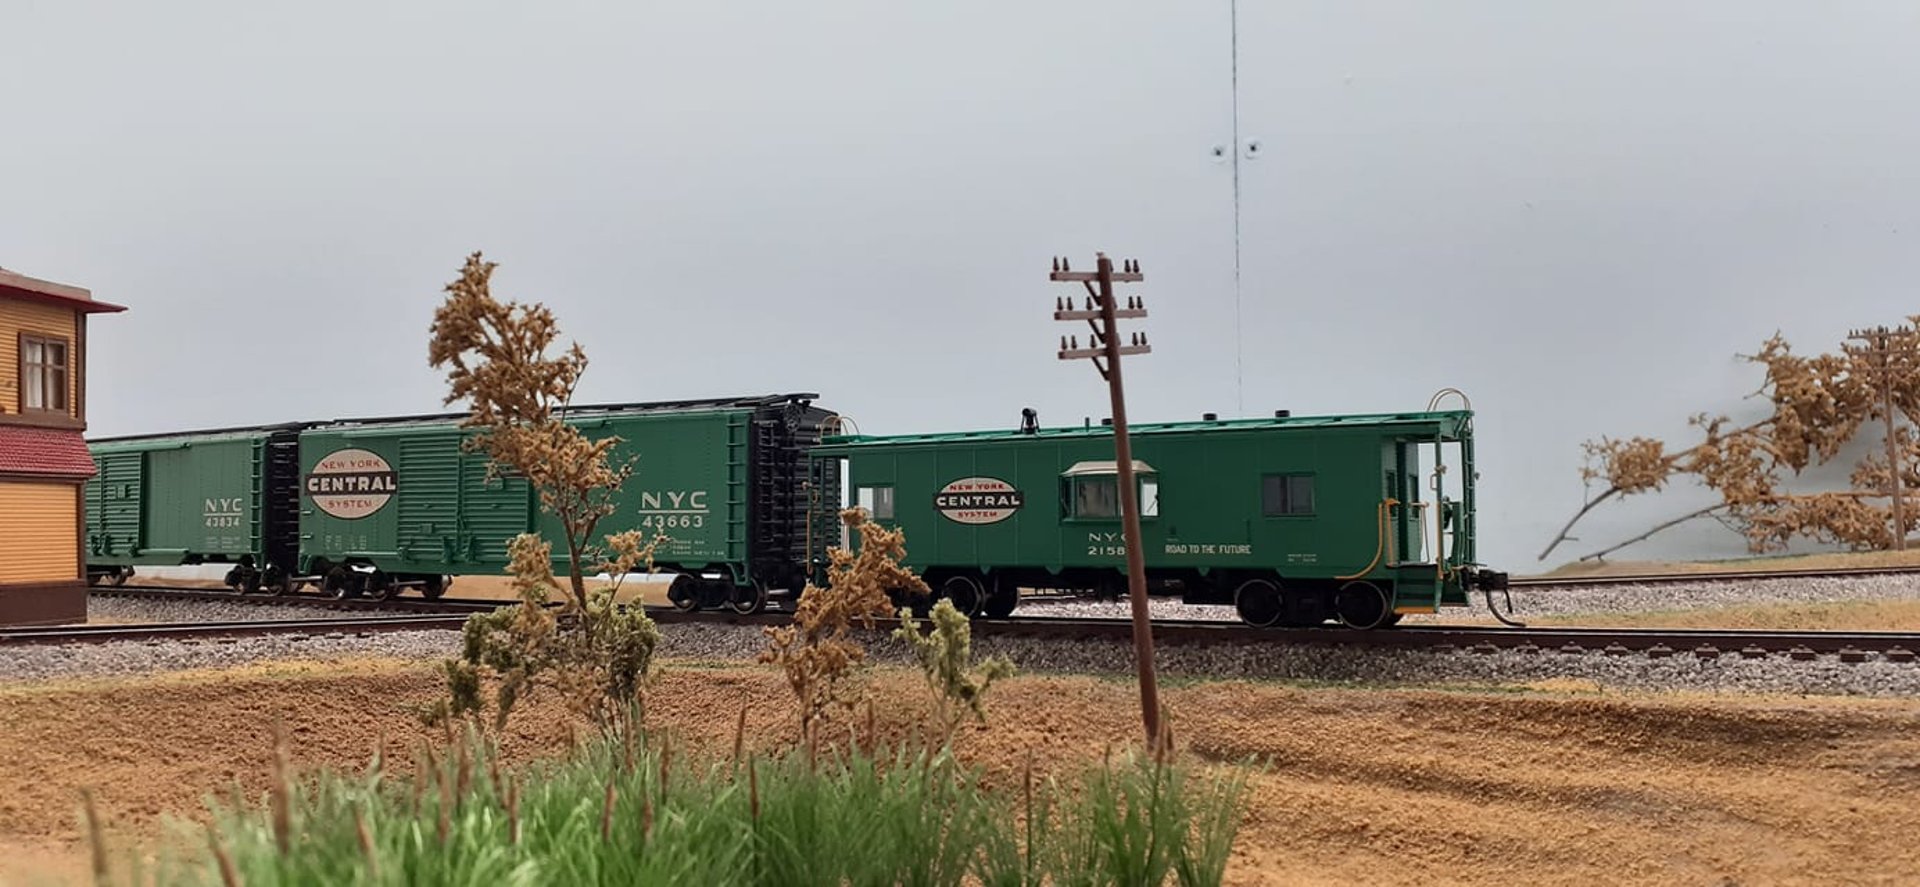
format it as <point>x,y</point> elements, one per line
<point>1108,422</point>
<point>1029,421</point>
<point>1210,417</point>
<point>1282,414</point>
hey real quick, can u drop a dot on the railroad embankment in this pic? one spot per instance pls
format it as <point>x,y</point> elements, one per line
<point>1554,782</point>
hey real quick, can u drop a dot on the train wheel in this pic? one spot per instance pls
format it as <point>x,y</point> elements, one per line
<point>965,593</point>
<point>1002,600</point>
<point>748,599</point>
<point>1259,603</point>
<point>277,581</point>
<point>380,586</point>
<point>1362,605</point>
<point>121,577</point>
<point>684,593</point>
<point>339,583</point>
<point>435,586</point>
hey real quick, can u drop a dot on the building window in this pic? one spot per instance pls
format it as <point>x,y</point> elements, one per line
<point>43,374</point>
<point>878,501</point>
<point>1286,494</point>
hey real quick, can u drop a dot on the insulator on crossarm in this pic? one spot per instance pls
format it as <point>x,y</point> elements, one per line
<point>1063,343</point>
<point>1064,265</point>
<point>1056,263</point>
<point>1076,342</point>
<point>1089,303</point>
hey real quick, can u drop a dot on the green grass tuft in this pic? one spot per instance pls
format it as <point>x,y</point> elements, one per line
<point>616,813</point>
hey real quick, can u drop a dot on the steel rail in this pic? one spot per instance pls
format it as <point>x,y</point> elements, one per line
<point>63,634</point>
<point>1519,582</point>
<point>298,599</point>
<point>1895,646</point>
<point>1706,643</point>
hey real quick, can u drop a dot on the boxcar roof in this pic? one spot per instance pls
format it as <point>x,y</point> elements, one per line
<point>581,410</point>
<point>1447,422</point>
<point>425,418</point>
<point>199,434</point>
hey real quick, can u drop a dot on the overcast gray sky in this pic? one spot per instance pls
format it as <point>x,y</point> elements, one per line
<point>1577,212</point>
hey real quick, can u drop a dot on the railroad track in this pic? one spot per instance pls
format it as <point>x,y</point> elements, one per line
<point>1544,582</point>
<point>297,599</point>
<point>67,634</point>
<point>1849,646</point>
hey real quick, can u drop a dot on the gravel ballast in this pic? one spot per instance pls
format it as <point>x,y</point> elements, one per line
<point>1571,600</point>
<point>119,658</point>
<point>134,610</point>
<point>1575,600</point>
<point>1314,664</point>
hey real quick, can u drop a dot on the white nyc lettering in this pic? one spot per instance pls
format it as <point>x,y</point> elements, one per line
<point>687,501</point>
<point>222,513</point>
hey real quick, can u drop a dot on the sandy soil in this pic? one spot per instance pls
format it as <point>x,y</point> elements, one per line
<point>1881,615</point>
<point>1823,561</point>
<point>1546,784</point>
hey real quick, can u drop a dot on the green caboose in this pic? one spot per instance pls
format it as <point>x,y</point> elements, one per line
<point>1293,520</point>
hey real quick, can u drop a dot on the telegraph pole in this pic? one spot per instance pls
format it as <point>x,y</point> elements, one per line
<point>1878,353</point>
<point>1105,350</point>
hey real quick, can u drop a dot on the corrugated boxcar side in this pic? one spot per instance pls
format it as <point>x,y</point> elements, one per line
<point>407,499</point>
<point>175,501</point>
<point>440,515</point>
<point>689,482</point>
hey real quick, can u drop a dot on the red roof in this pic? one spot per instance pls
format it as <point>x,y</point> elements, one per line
<point>15,285</point>
<point>44,451</point>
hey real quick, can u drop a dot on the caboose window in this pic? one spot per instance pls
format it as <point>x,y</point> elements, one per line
<point>1286,494</point>
<point>1092,490</point>
<point>1096,496</point>
<point>878,501</point>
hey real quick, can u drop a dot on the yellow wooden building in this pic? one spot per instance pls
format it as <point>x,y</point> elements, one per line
<point>44,463</point>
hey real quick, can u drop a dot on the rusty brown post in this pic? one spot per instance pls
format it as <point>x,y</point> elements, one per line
<point>1105,343</point>
<point>1879,355</point>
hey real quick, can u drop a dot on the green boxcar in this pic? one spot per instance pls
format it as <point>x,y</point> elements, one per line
<point>1295,520</point>
<point>194,498</point>
<point>394,503</point>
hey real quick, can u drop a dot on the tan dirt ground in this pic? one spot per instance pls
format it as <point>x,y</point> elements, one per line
<point>1876,615</point>
<point>1821,561</point>
<point>1554,783</point>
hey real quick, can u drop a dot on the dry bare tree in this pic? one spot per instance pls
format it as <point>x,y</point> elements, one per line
<point>1818,405</point>
<point>815,651</point>
<point>595,653</point>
